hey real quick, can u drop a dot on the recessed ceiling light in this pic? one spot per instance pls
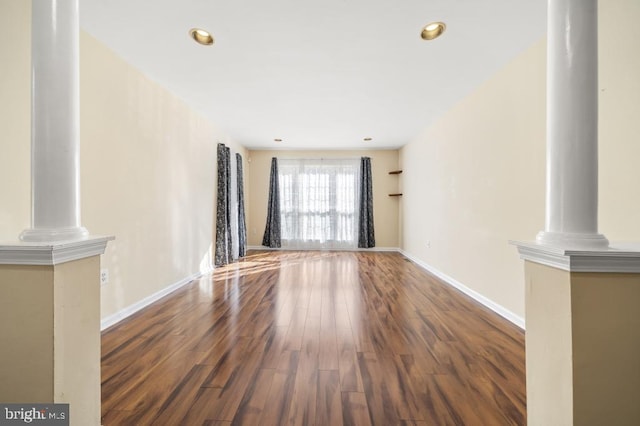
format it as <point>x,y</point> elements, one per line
<point>201,36</point>
<point>367,139</point>
<point>277,140</point>
<point>433,30</point>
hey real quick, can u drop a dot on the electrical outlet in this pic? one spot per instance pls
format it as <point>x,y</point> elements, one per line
<point>428,244</point>
<point>104,276</point>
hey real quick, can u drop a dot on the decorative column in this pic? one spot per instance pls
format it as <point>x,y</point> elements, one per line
<point>581,294</point>
<point>49,282</point>
<point>55,127</point>
<point>572,125</point>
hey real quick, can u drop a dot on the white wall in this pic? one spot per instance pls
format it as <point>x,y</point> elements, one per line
<point>475,179</point>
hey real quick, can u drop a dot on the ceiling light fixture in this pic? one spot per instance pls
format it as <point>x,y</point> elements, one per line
<point>367,139</point>
<point>277,140</point>
<point>201,36</point>
<point>433,30</point>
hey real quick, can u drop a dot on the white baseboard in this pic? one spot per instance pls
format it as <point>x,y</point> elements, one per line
<point>132,309</point>
<point>386,249</point>
<point>499,309</point>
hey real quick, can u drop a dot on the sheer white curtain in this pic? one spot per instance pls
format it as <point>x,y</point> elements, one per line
<point>233,206</point>
<point>319,203</point>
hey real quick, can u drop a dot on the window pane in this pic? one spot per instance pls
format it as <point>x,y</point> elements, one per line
<point>319,203</point>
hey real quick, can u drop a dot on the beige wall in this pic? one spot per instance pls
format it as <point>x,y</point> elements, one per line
<point>148,165</point>
<point>619,122</point>
<point>148,177</point>
<point>385,208</point>
<point>475,179</point>
<point>15,79</point>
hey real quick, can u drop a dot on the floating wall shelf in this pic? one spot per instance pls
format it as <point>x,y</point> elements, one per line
<point>395,172</point>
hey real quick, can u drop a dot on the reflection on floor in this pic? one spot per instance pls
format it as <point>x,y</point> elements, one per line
<point>323,338</point>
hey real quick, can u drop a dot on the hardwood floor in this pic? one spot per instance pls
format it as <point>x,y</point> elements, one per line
<point>314,338</point>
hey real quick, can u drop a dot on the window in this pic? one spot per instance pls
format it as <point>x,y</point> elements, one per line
<point>319,203</point>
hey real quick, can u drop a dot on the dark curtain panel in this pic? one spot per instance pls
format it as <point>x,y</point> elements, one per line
<point>366,236</point>
<point>242,224</point>
<point>272,230</point>
<point>223,252</point>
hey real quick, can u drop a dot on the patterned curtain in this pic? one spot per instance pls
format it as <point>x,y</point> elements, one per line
<point>223,252</point>
<point>366,235</point>
<point>242,224</point>
<point>272,230</point>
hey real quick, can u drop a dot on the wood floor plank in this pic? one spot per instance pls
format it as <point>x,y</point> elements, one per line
<point>303,400</point>
<point>276,410</point>
<point>228,364</point>
<point>355,411</point>
<point>328,357</point>
<point>275,343</point>
<point>350,377</point>
<point>441,407</point>
<point>381,409</point>
<point>497,403</point>
<point>253,403</point>
<point>329,399</point>
<point>147,396</point>
<point>204,409</point>
<point>118,418</point>
<point>178,403</point>
<point>403,396</point>
<point>293,338</point>
<point>140,385</point>
<point>242,378</point>
<point>314,338</point>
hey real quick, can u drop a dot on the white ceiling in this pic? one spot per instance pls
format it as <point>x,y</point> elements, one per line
<point>317,74</point>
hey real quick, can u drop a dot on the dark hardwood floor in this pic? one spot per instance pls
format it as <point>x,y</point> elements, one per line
<point>314,338</point>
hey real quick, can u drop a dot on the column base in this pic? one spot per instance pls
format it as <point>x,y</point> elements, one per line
<point>582,347</point>
<point>50,325</point>
<point>51,253</point>
<point>41,235</point>
<point>50,330</point>
<point>573,241</point>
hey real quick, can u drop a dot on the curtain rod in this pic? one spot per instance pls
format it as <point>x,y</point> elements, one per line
<point>320,158</point>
